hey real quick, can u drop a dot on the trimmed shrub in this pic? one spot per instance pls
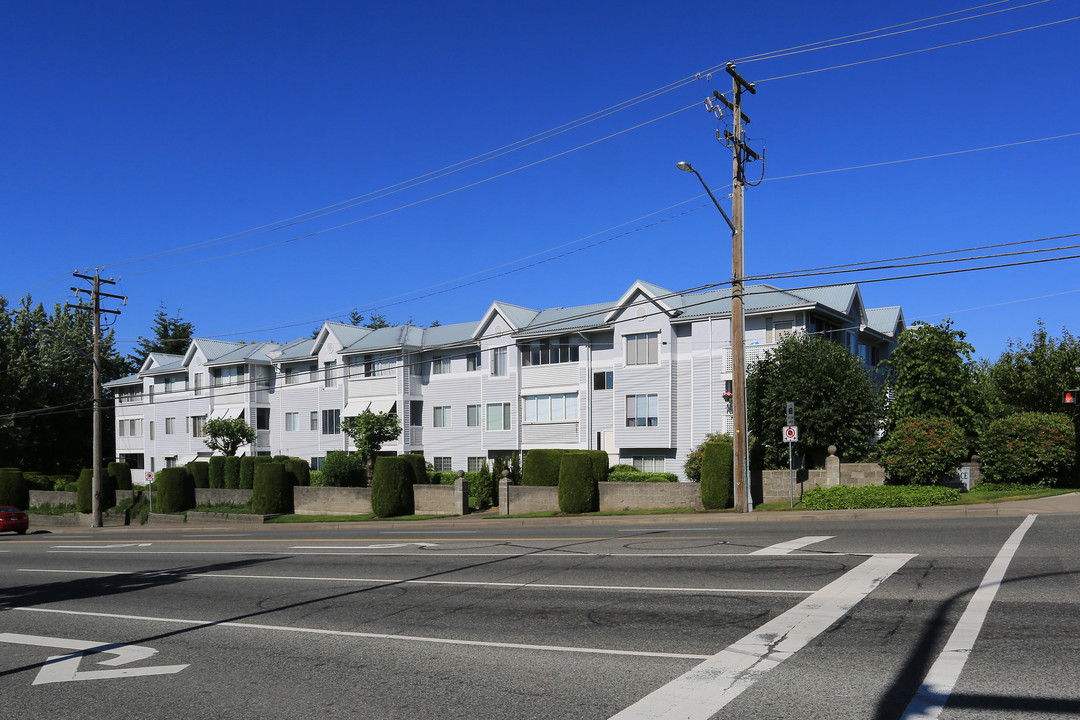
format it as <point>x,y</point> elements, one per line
<point>298,472</point>
<point>844,497</point>
<point>232,472</point>
<point>121,472</point>
<point>692,466</point>
<point>391,487</point>
<point>622,469</point>
<point>637,476</point>
<point>578,491</point>
<point>419,468</point>
<point>272,490</point>
<point>542,467</point>
<point>72,487</point>
<point>317,479</point>
<point>342,469</point>
<point>717,476</point>
<point>263,459</point>
<point>200,473</point>
<point>247,472</point>
<point>84,500</point>
<point>923,451</point>
<point>13,489</point>
<point>217,471</point>
<point>108,490</point>
<point>1028,448</point>
<point>280,458</point>
<point>175,490</point>
<point>61,482</point>
<point>483,488</point>
<point>37,481</point>
<point>443,477</point>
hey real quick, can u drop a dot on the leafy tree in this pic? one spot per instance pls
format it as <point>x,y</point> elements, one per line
<point>228,435</point>
<point>170,335</point>
<point>369,431</point>
<point>923,451</point>
<point>1030,377</point>
<point>931,373</point>
<point>837,400</point>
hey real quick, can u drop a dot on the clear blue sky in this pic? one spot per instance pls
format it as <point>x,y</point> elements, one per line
<point>136,128</point>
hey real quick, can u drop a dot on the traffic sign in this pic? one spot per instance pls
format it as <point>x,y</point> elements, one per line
<point>1071,396</point>
<point>790,413</point>
<point>791,434</point>
<point>149,476</point>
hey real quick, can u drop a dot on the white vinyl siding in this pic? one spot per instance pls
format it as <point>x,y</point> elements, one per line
<point>642,349</point>
<point>642,410</point>
<point>498,416</point>
<point>551,408</point>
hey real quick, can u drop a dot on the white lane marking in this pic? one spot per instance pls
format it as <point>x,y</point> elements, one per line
<point>464,583</point>
<point>441,532</point>
<point>934,692</point>
<point>212,624</point>
<point>704,690</point>
<point>384,546</point>
<point>99,547</point>
<point>65,668</point>
<point>442,553</point>
<point>785,548</point>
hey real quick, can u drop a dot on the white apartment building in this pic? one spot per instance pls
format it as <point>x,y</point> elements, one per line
<point>641,377</point>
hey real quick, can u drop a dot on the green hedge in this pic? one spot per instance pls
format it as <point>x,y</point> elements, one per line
<point>923,451</point>
<point>84,499</point>
<point>419,467</point>
<point>391,487</point>
<point>175,490</point>
<point>1029,448</point>
<point>272,491</point>
<point>232,472</point>
<point>217,471</point>
<point>13,489</point>
<point>638,476</point>
<point>247,472</point>
<point>280,459</point>
<point>578,491</point>
<point>443,477</point>
<point>61,482</point>
<point>483,488</point>
<point>542,467</point>
<point>342,469</point>
<point>717,476</point>
<point>842,497</point>
<point>298,472</point>
<point>200,473</point>
<point>36,481</point>
<point>121,473</point>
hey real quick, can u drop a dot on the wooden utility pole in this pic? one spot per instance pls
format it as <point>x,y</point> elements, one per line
<point>96,309</point>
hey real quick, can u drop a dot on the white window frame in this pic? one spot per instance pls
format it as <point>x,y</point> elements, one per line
<point>441,416</point>
<point>313,422</point>
<point>473,415</point>
<point>475,463</point>
<point>198,426</point>
<point>497,416</point>
<point>292,421</point>
<point>472,361</point>
<point>329,375</point>
<point>442,464</point>
<point>331,422</point>
<point>557,407</point>
<point>645,407</point>
<point>440,366</point>
<point>170,426</point>
<point>498,362</point>
<point>639,344</point>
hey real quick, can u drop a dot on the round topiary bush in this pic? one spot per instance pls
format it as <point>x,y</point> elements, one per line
<point>1028,448</point>
<point>717,476</point>
<point>175,490</point>
<point>272,491</point>
<point>247,472</point>
<point>84,500</point>
<point>121,472</point>
<point>391,487</point>
<point>13,489</point>
<point>542,467</point>
<point>217,472</point>
<point>232,472</point>
<point>200,473</point>
<point>923,451</point>
<point>298,471</point>
<point>578,491</point>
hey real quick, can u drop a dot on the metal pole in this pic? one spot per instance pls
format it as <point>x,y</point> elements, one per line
<point>791,474</point>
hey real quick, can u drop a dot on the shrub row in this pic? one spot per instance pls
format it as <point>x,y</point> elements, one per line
<point>13,489</point>
<point>843,497</point>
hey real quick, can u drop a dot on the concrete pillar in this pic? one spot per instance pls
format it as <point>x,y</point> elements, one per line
<point>832,468</point>
<point>504,494</point>
<point>461,493</point>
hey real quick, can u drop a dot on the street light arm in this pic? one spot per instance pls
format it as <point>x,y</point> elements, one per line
<point>687,167</point>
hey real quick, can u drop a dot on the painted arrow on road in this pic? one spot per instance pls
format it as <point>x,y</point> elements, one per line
<point>65,668</point>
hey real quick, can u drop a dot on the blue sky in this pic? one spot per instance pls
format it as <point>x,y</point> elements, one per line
<point>135,129</point>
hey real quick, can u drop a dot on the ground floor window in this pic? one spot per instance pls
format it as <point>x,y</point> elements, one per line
<point>316,463</point>
<point>649,463</point>
<point>498,416</point>
<point>442,464</point>
<point>475,463</point>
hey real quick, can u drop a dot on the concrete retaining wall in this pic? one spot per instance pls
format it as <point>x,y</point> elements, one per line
<point>442,499</point>
<point>49,497</point>
<point>649,496</point>
<point>776,484</point>
<point>332,500</point>
<point>212,496</point>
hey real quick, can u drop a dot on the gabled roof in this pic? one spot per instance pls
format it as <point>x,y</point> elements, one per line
<point>386,338</point>
<point>515,316</point>
<point>220,352</point>
<point>886,320</point>
<point>162,364</point>
<point>123,382</point>
<point>845,299</point>
<point>666,300</point>
<point>559,320</point>
<point>443,335</point>
<point>296,350</point>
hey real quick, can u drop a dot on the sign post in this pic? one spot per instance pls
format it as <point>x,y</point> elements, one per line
<point>791,436</point>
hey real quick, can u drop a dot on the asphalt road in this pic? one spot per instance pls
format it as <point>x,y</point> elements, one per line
<point>877,617</point>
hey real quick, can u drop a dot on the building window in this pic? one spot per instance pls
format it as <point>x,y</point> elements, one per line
<point>440,366</point>
<point>198,383</point>
<point>170,426</point>
<point>603,380</point>
<point>292,377</point>
<point>442,416</point>
<point>151,432</point>
<point>475,463</point>
<point>151,394</point>
<point>316,463</point>
<point>313,423</point>
<point>551,408</point>
<point>172,384</point>
<point>473,416</point>
<point>292,421</point>
<point>498,362</point>
<point>442,464</point>
<point>130,428</point>
<point>198,426</point>
<point>170,461</point>
<point>226,376</point>
<point>262,418</point>
<point>549,351</point>
<point>642,349</point>
<point>331,422</point>
<point>498,416</point>
<point>416,413</point>
<point>472,361</point>
<point>649,463</point>
<point>329,368</point>
<point>313,373</point>
<point>641,410</point>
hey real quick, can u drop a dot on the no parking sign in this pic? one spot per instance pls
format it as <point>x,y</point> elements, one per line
<point>791,433</point>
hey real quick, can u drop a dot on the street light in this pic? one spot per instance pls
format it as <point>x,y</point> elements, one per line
<point>738,359</point>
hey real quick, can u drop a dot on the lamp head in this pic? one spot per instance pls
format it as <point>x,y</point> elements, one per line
<point>684,166</point>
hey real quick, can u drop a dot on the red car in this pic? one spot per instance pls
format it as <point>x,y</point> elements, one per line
<point>13,519</point>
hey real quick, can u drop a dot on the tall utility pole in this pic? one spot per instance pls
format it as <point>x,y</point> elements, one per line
<point>96,309</point>
<point>740,155</point>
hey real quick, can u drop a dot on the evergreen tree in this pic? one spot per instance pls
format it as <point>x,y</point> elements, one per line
<point>170,335</point>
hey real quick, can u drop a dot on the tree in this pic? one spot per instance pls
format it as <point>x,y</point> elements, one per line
<point>374,321</point>
<point>369,431</point>
<point>931,374</point>
<point>170,335</point>
<point>1030,377</point>
<point>228,435</point>
<point>836,399</point>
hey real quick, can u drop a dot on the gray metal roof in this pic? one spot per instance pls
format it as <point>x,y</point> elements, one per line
<point>516,315</point>
<point>296,350</point>
<point>886,320</point>
<point>128,380</point>
<point>443,335</point>
<point>164,364</point>
<point>559,320</point>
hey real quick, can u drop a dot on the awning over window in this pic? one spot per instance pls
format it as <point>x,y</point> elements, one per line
<point>226,412</point>
<point>354,408</point>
